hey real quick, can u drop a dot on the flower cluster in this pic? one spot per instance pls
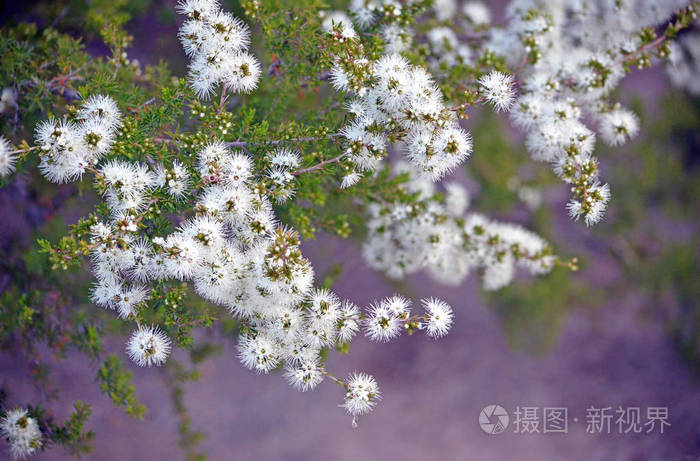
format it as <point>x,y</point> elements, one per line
<point>389,18</point>
<point>217,43</point>
<point>570,74</point>
<point>70,147</point>
<point>235,254</point>
<point>448,243</point>
<point>397,101</point>
<point>446,49</point>
<point>283,163</point>
<point>684,62</point>
<point>21,431</point>
<point>361,395</point>
<point>388,318</point>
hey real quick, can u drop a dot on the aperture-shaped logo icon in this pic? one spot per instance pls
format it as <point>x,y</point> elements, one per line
<point>493,419</point>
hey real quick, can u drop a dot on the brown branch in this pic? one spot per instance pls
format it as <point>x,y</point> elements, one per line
<point>320,165</point>
<point>653,44</point>
<point>267,143</point>
<point>22,151</point>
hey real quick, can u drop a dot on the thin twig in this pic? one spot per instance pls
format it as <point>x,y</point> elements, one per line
<point>653,44</point>
<point>320,165</point>
<point>267,143</point>
<point>21,151</point>
<point>222,100</point>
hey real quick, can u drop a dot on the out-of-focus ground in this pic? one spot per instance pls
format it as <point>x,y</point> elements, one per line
<point>609,352</point>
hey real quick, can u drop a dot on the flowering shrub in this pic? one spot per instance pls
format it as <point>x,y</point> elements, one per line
<point>207,184</point>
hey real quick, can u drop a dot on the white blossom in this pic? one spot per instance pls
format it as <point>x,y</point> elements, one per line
<point>304,376</point>
<point>498,90</point>
<point>175,179</point>
<point>382,323</point>
<point>22,432</point>
<point>361,394</point>
<point>217,44</point>
<point>68,148</point>
<point>7,158</point>
<point>148,346</point>
<point>618,126</point>
<point>477,12</point>
<point>438,317</point>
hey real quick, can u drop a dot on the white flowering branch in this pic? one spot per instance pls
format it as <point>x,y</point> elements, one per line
<point>229,244</point>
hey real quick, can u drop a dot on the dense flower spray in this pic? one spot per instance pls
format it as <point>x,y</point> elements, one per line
<point>577,54</point>
<point>233,249</point>
<point>217,43</point>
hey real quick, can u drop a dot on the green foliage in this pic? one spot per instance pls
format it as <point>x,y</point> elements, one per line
<point>72,434</point>
<point>179,375</point>
<point>116,383</point>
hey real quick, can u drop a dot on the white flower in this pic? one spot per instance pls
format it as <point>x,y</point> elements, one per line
<point>285,158</point>
<point>148,346</point>
<point>129,298</point>
<point>61,159</point>
<point>126,184</point>
<point>349,322</point>
<point>497,88</point>
<point>339,79</point>
<point>364,12</point>
<point>442,40</point>
<point>22,432</point>
<point>438,317</point>
<point>212,160</point>
<point>398,306</point>
<point>7,158</point>
<point>305,376</point>
<point>143,255</point>
<point>97,138</point>
<point>444,9</point>
<point>341,20</point>
<point>8,99</point>
<point>242,73</point>
<point>618,126</point>
<point>217,43</point>
<point>238,169</point>
<point>456,199</point>
<point>69,148</point>
<point>197,9</point>
<point>397,39</point>
<point>175,180</point>
<point>361,394</point>
<point>528,110</point>
<point>593,206</point>
<point>381,323</point>
<point>324,306</point>
<point>258,353</point>
<point>350,179</point>
<point>101,108</point>
<point>106,290</point>
<point>477,12</point>
<point>499,273</point>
